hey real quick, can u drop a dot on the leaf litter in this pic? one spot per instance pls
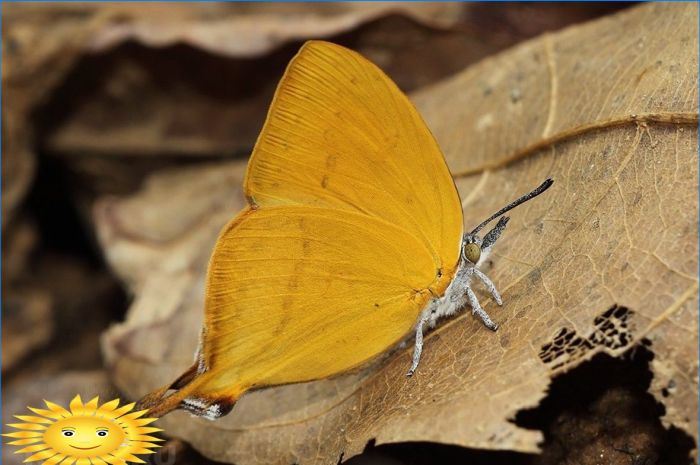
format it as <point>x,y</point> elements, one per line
<point>617,230</point>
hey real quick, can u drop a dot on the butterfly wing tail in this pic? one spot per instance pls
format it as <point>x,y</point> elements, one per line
<point>186,395</point>
<point>158,403</point>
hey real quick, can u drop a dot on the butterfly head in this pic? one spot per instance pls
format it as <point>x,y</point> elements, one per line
<point>474,247</point>
<point>471,248</point>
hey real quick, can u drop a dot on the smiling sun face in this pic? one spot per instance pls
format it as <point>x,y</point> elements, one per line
<point>88,433</point>
<point>84,436</point>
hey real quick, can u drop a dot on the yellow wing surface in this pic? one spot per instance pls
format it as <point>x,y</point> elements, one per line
<point>354,222</point>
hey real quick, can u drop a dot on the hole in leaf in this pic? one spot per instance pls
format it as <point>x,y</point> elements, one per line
<point>612,330</point>
<point>597,413</point>
<point>601,412</point>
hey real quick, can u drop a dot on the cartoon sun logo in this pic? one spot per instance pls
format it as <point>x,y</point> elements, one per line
<point>87,434</point>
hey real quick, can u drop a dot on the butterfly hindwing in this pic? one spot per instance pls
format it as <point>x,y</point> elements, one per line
<point>313,294</point>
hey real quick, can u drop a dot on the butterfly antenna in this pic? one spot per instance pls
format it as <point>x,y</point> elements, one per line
<point>542,187</point>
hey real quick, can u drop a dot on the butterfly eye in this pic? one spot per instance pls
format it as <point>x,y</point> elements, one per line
<point>102,433</point>
<point>472,252</point>
<point>68,433</point>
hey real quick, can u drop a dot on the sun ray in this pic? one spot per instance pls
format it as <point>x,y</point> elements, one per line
<point>34,448</point>
<point>28,426</point>
<point>54,460</point>
<point>91,406</point>
<point>55,408</point>
<point>46,413</point>
<point>114,460</point>
<point>128,457</point>
<point>24,442</point>
<point>31,418</point>
<point>23,434</point>
<point>76,406</point>
<point>144,437</point>
<point>44,454</point>
<point>108,407</point>
<point>142,421</point>
<point>85,434</point>
<point>122,410</point>
<point>149,429</point>
<point>133,416</point>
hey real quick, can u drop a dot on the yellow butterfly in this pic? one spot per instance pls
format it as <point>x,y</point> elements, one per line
<point>352,239</point>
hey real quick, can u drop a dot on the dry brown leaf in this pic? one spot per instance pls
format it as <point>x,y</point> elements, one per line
<point>206,96</point>
<point>628,66</point>
<point>251,30</point>
<point>193,89</point>
<point>26,79</point>
<point>606,258</point>
<point>27,324</point>
<point>44,42</point>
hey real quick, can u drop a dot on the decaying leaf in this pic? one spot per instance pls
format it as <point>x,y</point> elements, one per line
<point>176,116</point>
<point>26,80</point>
<point>608,257</point>
<point>249,30</point>
<point>45,41</point>
<point>27,324</point>
<point>190,81</point>
<point>626,68</point>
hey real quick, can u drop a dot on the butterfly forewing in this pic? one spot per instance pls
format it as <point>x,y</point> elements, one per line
<point>340,134</point>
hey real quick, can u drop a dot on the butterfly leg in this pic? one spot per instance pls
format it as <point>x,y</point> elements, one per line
<point>478,311</point>
<point>418,348</point>
<point>489,240</point>
<point>489,286</point>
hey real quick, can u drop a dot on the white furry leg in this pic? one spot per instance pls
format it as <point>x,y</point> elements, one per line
<point>489,285</point>
<point>478,311</point>
<point>418,348</point>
